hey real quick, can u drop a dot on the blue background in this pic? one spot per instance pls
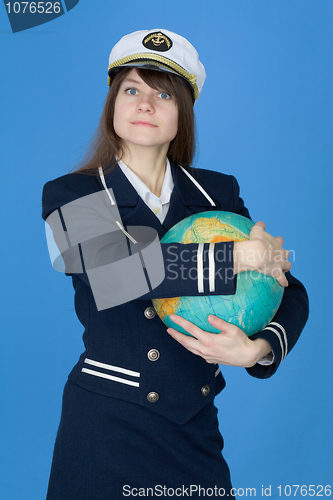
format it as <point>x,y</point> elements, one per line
<point>265,116</point>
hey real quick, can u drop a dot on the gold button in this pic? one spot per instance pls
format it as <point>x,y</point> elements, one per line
<point>205,390</point>
<point>156,210</point>
<point>152,397</point>
<point>153,355</point>
<point>150,312</point>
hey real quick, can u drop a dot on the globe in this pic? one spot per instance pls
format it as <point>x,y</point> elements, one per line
<point>257,296</point>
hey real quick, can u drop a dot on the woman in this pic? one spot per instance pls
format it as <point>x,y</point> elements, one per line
<point>138,408</point>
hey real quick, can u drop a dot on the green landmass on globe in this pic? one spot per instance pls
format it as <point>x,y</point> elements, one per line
<point>257,296</point>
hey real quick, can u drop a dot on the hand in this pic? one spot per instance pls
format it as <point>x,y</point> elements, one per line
<point>263,253</point>
<point>229,347</point>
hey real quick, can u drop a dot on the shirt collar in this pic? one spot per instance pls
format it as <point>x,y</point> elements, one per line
<point>127,196</point>
<point>143,191</point>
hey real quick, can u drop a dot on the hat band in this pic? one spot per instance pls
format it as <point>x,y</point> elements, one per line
<point>158,60</point>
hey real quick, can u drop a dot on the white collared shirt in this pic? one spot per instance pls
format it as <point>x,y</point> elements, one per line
<point>158,205</point>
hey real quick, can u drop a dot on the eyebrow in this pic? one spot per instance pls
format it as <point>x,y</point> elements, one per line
<point>131,80</point>
<point>138,82</point>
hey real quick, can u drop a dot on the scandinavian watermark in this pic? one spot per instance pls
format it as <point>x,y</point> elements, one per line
<point>87,237</point>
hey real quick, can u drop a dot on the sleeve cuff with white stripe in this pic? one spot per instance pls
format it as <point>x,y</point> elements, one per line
<point>210,272</point>
<point>196,269</point>
<point>276,336</point>
<point>202,269</point>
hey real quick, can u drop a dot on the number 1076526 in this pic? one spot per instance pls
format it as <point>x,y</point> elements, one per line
<point>310,490</point>
<point>33,7</point>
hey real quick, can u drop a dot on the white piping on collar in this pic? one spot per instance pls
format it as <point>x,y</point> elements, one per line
<point>101,174</point>
<point>121,227</point>
<point>196,183</point>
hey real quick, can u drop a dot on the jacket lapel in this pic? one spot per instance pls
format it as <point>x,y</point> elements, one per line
<point>132,209</point>
<point>186,199</point>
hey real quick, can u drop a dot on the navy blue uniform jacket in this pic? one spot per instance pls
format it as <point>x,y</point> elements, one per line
<point>118,340</point>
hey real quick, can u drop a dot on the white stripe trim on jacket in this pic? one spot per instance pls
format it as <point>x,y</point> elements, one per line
<point>281,335</point>
<point>111,368</point>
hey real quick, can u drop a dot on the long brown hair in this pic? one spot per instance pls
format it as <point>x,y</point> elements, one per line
<point>106,144</point>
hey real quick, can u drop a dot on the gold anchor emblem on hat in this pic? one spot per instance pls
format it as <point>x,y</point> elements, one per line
<point>158,39</point>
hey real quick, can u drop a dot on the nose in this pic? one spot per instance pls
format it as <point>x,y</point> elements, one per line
<point>146,103</point>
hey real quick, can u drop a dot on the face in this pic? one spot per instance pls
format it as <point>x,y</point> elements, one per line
<point>144,116</point>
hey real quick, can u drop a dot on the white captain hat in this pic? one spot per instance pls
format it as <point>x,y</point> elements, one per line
<point>161,50</point>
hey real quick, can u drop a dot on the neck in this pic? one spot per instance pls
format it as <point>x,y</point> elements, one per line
<point>148,164</point>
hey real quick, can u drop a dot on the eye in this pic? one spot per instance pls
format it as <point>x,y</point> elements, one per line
<point>164,95</point>
<point>131,91</point>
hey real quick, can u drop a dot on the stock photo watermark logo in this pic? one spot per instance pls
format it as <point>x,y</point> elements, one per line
<point>25,15</point>
<point>86,236</point>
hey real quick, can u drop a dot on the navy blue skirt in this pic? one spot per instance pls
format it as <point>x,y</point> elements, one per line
<point>109,449</point>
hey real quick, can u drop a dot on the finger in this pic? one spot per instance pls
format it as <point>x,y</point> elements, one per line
<point>280,276</point>
<point>287,266</point>
<point>280,240</point>
<point>260,223</point>
<point>182,338</point>
<point>187,325</point>
<point>218,323</point>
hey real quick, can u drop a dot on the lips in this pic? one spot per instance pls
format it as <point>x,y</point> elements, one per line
<point>143,123</point>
